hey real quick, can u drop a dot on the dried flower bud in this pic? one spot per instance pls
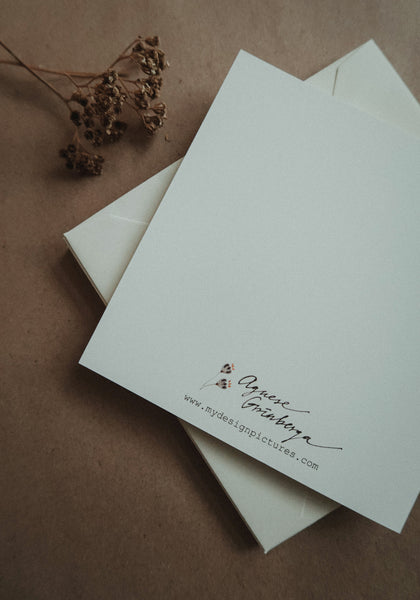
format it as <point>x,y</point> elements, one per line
<point>84,162</point>
<point>140,46</point>
<point>117,131</point>
<point>95,137</point>
<point>150,58</point>
<point>160,109</point>
<point>161,59</point>
<point>155,84</point>
<point>152,123</point>
<point>152,41</point>
<point>109,77</point>
<point>79,97</point>
<point>89,134</point>
<point>140,100</point>
<point>102,98</point>
<point>75,117</point>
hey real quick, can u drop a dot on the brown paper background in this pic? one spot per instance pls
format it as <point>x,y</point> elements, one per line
<point>102,495</point>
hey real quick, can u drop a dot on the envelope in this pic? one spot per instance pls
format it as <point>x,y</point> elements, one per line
<point>273,506</point>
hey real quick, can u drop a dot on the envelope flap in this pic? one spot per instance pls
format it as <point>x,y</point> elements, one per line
<point>374,86</point>
<point>368,81</point>
<point>106,241</point>
<point>101,246</point>
<point>141,202</point>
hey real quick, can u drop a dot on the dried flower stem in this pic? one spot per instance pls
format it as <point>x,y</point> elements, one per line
<point>121,55</point>
<point>51,71</point>
<point>28,68</point>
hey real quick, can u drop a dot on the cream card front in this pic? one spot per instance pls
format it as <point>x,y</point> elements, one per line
<point>274,302</point>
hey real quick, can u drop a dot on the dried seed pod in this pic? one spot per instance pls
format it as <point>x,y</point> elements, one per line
<point>75,117</point>
<point>84,162</point>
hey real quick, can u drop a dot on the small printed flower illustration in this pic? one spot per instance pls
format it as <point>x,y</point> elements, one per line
<point>223,384</point>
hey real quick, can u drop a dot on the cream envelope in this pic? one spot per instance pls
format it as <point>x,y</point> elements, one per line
<point>273,506</point>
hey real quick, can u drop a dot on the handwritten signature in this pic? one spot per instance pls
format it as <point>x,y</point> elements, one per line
<point>254,396</point>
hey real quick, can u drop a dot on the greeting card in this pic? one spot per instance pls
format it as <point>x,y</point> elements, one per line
<point>274,301</point>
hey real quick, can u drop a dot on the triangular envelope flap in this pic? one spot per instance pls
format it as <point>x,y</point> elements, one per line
<point>101,246</point>
<point>141,202</point>
<point>105,243</point>
<point>377,88</point>
<point>367,80</point>
<point>325,79</point>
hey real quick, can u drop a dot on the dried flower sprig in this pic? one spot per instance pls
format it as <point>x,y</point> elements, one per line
<point>95,105</point>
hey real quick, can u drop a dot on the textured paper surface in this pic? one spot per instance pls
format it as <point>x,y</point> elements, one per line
<point>312,294</point>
